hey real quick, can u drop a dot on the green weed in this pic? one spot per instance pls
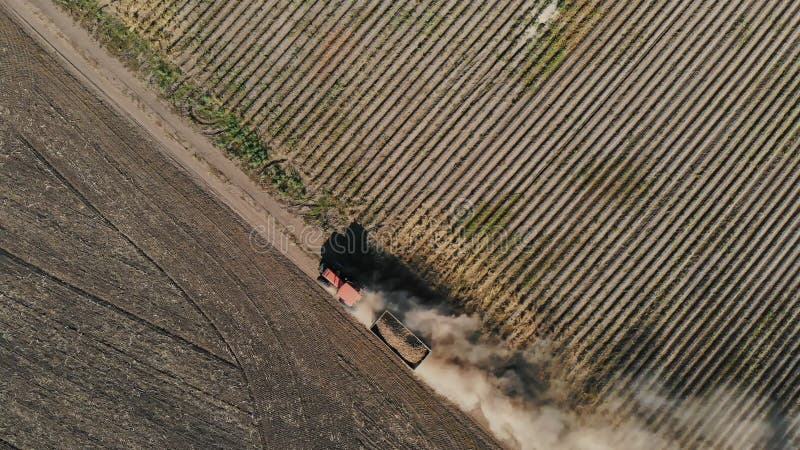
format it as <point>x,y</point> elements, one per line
<point>237,139</point>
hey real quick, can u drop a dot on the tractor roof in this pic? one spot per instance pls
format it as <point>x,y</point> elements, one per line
<point>332,278</point>
<point>348,294</point>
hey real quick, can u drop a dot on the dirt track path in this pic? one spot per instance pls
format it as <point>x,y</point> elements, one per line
<point>180,142</point>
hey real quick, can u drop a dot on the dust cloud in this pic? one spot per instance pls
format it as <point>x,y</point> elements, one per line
<point>518,395</point>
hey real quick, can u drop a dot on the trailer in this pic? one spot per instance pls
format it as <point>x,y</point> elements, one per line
<point>388,328</point>
<point>400,339</point>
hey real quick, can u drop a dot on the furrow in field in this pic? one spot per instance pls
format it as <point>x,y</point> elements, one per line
<point>484,65</point>
<point>233,85</point>
<point>191,29</point>
<point>493,213</point>
<point>235,46</point>
<point>344,87</point>
<point>403,112</point>
<point>740,193</point>
<point>284,58</point>
<point>343,57</point>
<point>418,50</point>
<point>280,52</point>
<point>639,215</point>
<point>473,128</point>
<point>272,96</point>
<point>209,53</point>
<point>471,164</point>
<point>655,128</point>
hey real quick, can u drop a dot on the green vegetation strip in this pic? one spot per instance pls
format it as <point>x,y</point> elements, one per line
<point>574,20</point>
<point>230,134</point>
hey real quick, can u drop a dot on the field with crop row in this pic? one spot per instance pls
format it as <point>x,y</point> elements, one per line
<point>621,177</point>
<point>135,311</point>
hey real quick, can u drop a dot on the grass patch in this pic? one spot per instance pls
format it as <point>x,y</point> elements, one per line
<point>326,211</point>
<point>558,39</point>
<point>402,17</point>
<point>628,185</point>
<point>231,134</point>
<point>487,219</point>
<point>743,30</point>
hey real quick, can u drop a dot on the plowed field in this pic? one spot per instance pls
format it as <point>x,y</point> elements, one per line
<point>135,313</point>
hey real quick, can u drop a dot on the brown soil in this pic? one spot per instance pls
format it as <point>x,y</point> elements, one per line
<point>135,311</point>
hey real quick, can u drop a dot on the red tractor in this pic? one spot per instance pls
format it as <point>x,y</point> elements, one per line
<point>347,292</point>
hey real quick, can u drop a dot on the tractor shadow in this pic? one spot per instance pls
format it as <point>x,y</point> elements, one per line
<point>352,253</point>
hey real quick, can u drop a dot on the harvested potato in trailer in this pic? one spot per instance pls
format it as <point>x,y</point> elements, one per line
<point>400,339</point>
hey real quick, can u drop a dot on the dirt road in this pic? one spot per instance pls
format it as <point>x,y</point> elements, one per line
<point>136,312</point>
<point>180,142</point>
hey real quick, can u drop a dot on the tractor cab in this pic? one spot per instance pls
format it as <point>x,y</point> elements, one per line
<point>347,291</point>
